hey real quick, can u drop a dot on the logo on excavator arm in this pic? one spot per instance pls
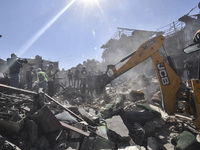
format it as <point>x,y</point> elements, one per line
<point>149,44</point>
<point>146,46</point>
<point>163,74</point>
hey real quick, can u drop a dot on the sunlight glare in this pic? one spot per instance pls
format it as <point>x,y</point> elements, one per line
<point>89,3</point>
<point>43,29</point>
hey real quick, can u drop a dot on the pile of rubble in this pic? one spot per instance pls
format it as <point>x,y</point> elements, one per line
<point>125,117</point>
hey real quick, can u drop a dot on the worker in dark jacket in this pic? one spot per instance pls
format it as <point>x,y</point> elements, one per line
<point>76,78</point>
<point>29,78</point>
<point>70,77</point>
<point>83,80</point>
<point>14,65</point>
<point>90,82</point>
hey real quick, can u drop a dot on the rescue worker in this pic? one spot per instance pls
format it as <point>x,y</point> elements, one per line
<point>42,80</point>
<point>29,78</point>
<point>14,65</point>
<point>76,78</point>
<point>70,77</point>
<point>51,75</point>
<point>83,80</point>
<point>90,82</point>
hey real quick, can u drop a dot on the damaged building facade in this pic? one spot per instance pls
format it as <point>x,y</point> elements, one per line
<point>178,35</point>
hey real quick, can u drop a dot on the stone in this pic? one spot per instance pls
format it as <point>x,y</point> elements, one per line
<point>117,125</point>
<point>152,144</point>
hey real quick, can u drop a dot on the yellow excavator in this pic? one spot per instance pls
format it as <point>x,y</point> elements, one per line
<point>173,89</point>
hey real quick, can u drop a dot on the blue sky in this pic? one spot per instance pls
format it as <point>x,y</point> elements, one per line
<point>71,31</point>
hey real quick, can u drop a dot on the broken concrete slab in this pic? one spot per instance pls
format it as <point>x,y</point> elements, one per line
<point>97,143</point>
<point>102,131</point>
<point>117,125</point>
<point>65,116</point>
<point>129,148</point>
<point>46,120</point>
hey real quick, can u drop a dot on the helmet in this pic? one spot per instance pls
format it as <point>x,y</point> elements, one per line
<point>39,69</point>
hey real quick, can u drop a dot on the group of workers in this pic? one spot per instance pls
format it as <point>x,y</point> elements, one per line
<point>45,78</point>
<point>81,79</point>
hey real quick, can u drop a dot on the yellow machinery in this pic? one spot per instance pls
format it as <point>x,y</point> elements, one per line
<point>172,87</point>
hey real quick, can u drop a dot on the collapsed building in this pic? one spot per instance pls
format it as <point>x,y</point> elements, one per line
<point>127,116</point>
<point>178,35</point>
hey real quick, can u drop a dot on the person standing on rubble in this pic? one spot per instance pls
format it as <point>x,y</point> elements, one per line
<point>51,75</point>
<point>15,64</point>
<point>76,78</point>
<point>42,80</point>
<point>70,77</point>
<point>83,80</point>
<point>90,82</point>
<point>29,78</point>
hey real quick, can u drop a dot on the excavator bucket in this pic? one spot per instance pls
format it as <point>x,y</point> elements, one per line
<point>100,82</point>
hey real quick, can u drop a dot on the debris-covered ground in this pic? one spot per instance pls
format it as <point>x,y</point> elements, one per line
<point>127,116</point>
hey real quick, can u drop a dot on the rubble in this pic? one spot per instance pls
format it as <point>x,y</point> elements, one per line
<point>126,119</point>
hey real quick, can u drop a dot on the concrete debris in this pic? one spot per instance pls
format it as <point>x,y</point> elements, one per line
<point>116,124</point>
<point>122,118</point>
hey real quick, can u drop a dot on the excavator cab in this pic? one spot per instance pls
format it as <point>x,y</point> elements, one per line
<point>194,84</point>
<point>195,46</point>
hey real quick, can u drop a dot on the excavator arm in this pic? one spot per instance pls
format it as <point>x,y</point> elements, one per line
<point>145,51</point>
<point>169,81</point>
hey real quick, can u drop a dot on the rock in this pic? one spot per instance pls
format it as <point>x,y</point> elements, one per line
<point>156,99</point>
<point>42,143</point>
<point>116,124</point>
<point>32,131</point>
<point>65,116</point>
<point>152,144</point>
<point>185,141</point>
<point>129,148</point>
<point>136,95</point>
<point>102,131</point>
<point>152,126</point>
<point>137,133</point>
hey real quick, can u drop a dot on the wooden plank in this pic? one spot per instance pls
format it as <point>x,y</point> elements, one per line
<point>16,90</point>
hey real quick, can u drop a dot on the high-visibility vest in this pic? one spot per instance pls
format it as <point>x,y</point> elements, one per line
<point>41,76</point>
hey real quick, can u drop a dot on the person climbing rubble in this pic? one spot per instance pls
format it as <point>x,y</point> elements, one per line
<point>42,80</point>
